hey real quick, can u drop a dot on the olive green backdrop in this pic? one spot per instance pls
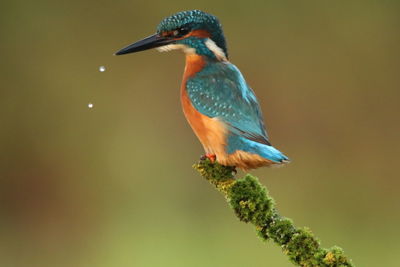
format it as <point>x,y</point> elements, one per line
<point>113,185</point>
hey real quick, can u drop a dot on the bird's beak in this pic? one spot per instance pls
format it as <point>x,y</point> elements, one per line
<point>152,41</point>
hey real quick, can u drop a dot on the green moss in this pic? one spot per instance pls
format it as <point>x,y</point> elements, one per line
<point>250,201</point>
<point>302,247</point>
<point>335,257</point>
<point>214,172</point>
<point>280,230</point>
<point>252,204</point>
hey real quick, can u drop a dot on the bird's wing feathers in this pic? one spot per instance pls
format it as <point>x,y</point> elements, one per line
<point>219,90</point>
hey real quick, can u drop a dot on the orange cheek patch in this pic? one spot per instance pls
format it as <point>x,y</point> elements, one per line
<point>165,34</point>
<point>196,33</point>
<point>199,33</point>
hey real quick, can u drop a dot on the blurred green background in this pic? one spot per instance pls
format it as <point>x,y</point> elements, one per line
<point>113,185</point>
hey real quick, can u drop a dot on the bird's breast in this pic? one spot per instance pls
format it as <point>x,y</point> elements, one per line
<point>210,131</point>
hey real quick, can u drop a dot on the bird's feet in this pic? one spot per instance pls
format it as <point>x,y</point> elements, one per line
<point>234,171</point>
<point>211,157</point>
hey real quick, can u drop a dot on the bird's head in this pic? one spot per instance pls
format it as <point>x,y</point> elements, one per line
<point>194,32</point>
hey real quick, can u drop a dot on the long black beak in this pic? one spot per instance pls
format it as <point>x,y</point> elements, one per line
<point>152,41</point>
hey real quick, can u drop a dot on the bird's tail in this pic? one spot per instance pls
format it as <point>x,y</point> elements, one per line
<point>271,153</point>
<point>263,150</point>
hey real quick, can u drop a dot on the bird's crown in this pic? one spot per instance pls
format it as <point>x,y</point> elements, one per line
<point>182,23</point>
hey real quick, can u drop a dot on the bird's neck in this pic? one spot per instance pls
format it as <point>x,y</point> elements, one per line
<point>201,46</point>
<point>194,64</point>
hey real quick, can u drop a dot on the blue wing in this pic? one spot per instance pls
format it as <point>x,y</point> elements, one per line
<point>219,90</point>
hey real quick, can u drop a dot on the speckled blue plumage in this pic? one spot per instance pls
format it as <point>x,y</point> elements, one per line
<point>220,91</point>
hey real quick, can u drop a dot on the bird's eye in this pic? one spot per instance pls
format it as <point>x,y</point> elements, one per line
<point>180,32</point>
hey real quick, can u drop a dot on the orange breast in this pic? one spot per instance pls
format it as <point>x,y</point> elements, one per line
<point>210,131</point>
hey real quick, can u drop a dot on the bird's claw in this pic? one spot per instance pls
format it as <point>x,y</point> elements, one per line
<point>211,157</point>
<point>234,171</point>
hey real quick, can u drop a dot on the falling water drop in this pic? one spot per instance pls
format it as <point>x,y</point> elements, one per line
<point>102,69</point>
<point>90,105</point>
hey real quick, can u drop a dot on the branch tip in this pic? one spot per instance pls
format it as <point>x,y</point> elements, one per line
<point>251,203</point>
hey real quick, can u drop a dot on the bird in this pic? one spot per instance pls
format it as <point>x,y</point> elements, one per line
<point>219,105</point>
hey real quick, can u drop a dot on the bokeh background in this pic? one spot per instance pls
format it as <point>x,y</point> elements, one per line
<point>113,185</point>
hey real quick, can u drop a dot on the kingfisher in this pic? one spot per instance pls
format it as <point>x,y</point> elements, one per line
<point>219,105</point>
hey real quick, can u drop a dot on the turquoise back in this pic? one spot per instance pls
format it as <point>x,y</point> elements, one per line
<point>219,90</point>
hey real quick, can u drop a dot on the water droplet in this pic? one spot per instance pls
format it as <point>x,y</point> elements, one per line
<point>102,69</point>
<point>90,105</point>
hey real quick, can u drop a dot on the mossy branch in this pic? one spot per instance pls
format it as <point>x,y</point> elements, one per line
<point>251,203</point>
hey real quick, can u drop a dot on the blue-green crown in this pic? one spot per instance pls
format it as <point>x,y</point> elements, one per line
<point>195,20</point>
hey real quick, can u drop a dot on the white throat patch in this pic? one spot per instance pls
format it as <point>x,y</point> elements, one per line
<point>218,52</point>
<point>170,47</point>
